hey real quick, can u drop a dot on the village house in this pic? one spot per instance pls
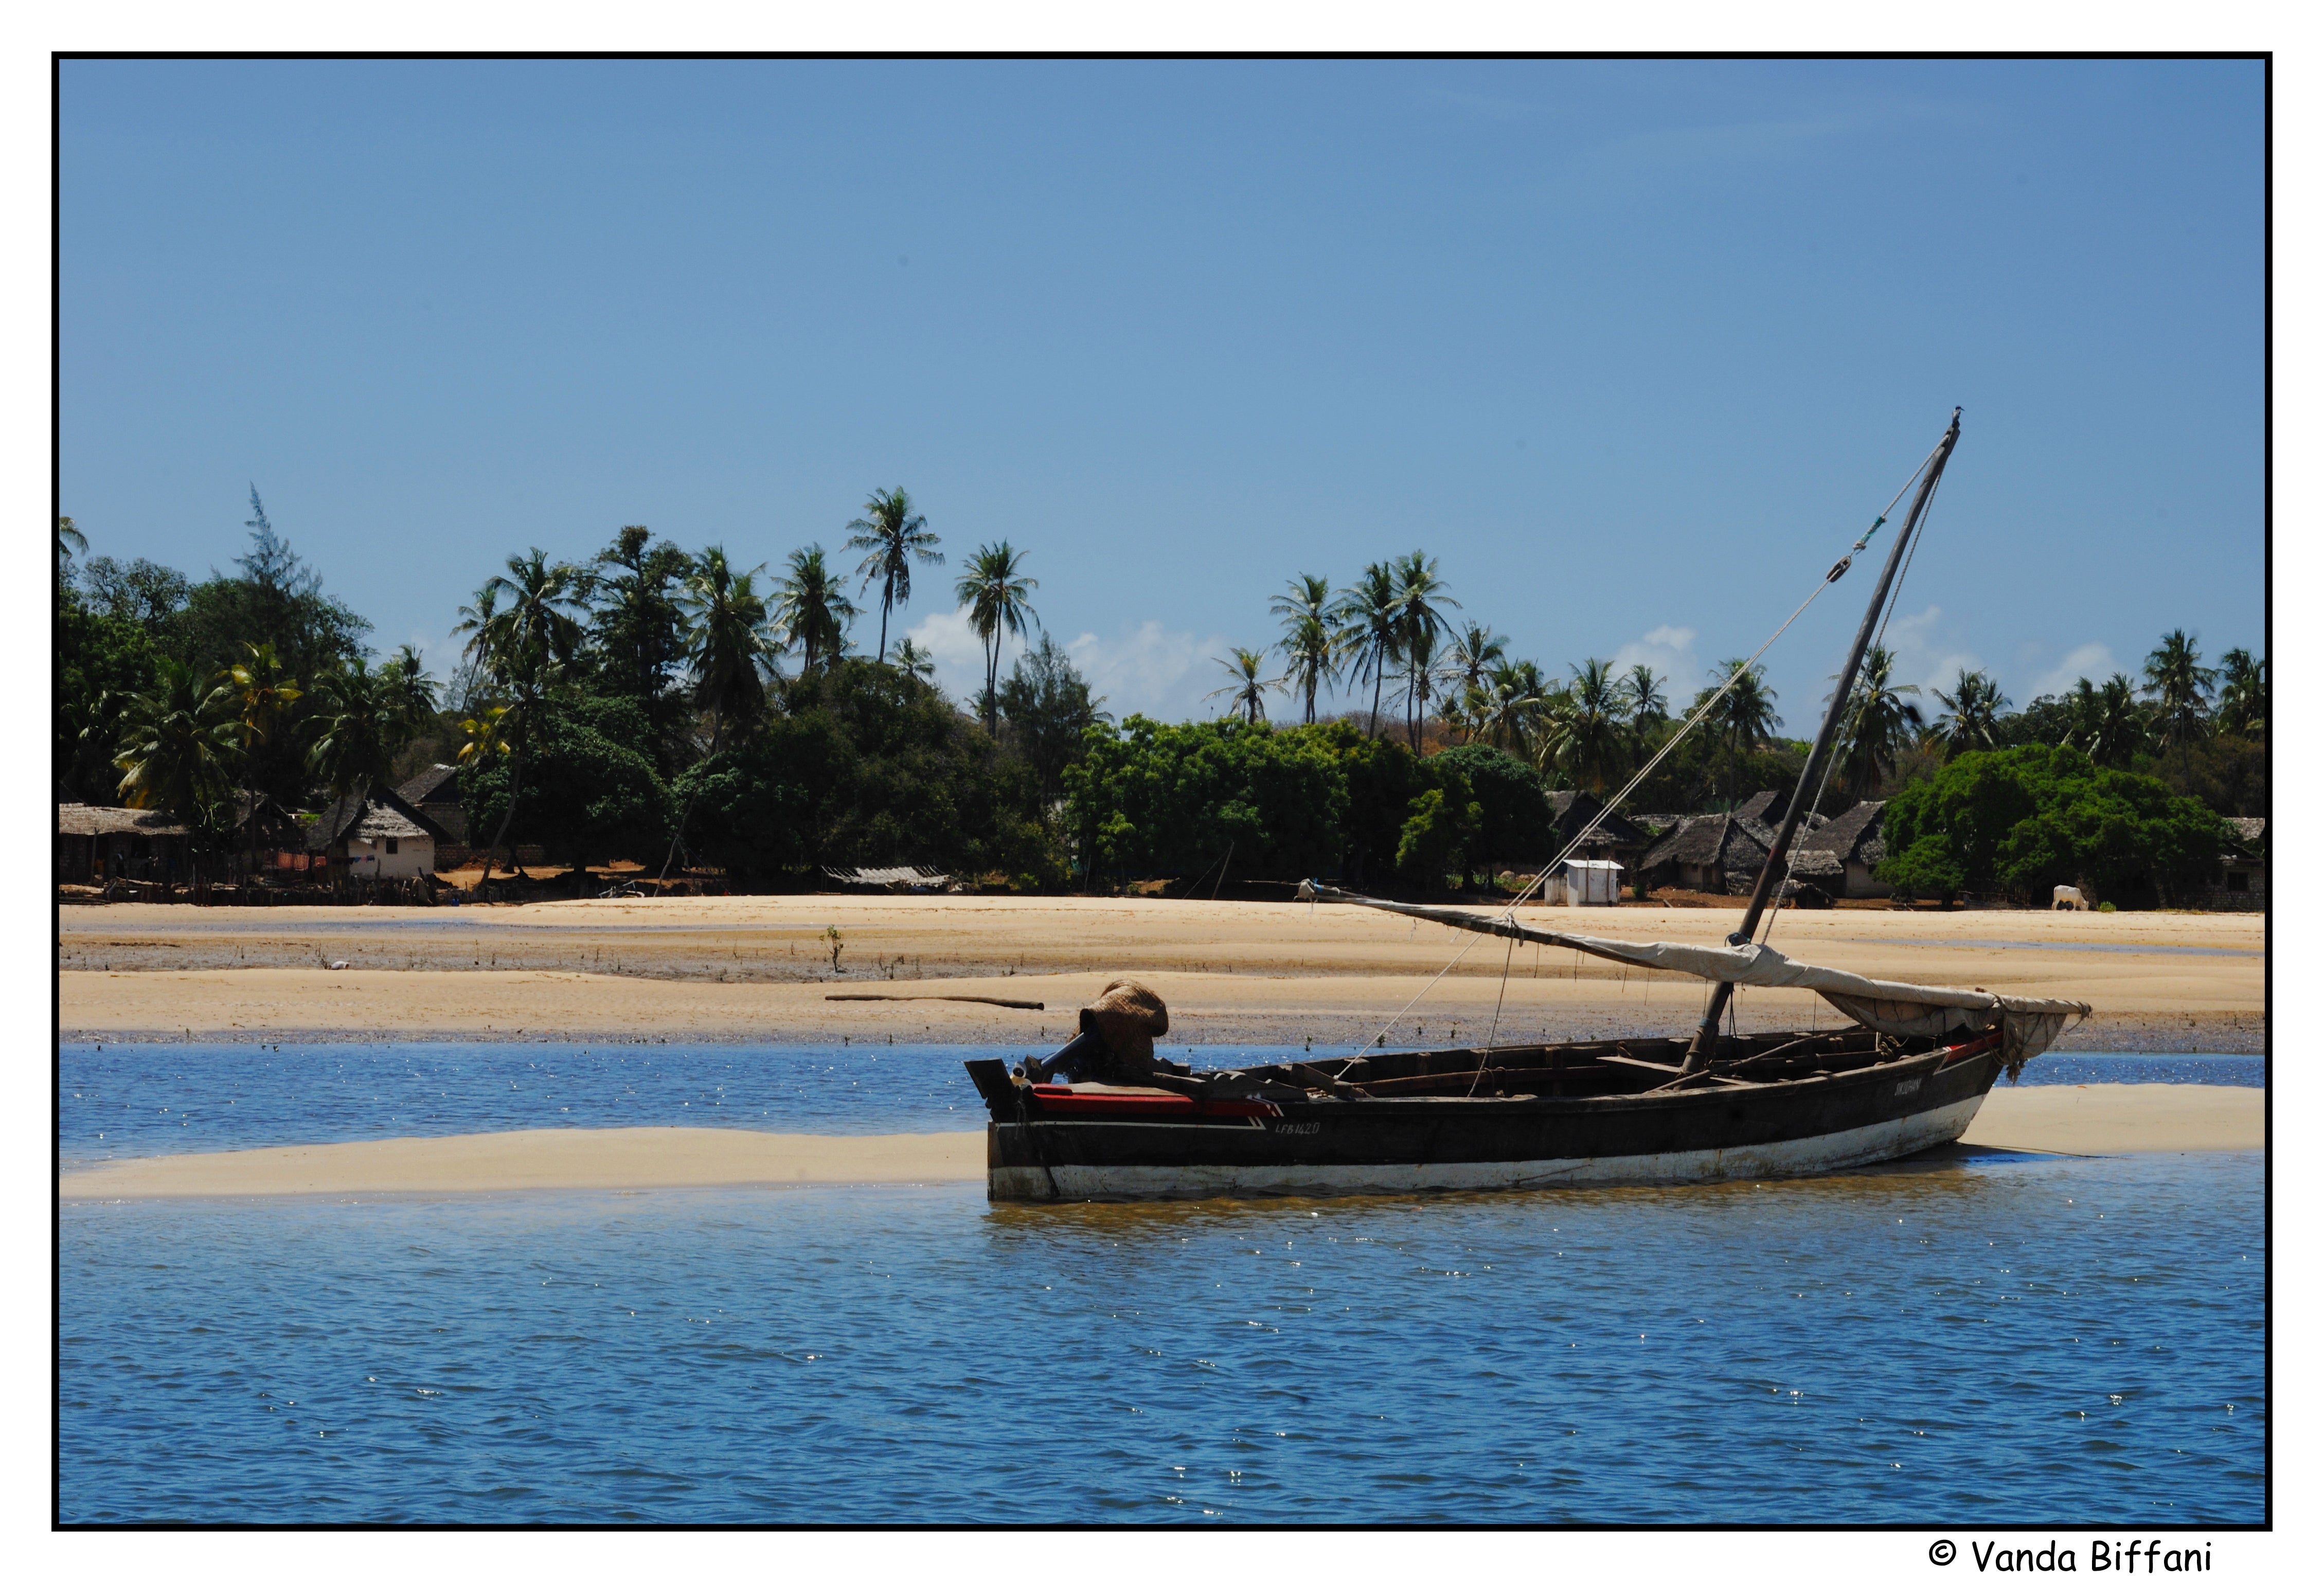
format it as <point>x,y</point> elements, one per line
<point>1616,839</point>
<point>2241,883</point>
<point>97,844</point>
<point>1718,853</point>
<point>435,792</point>
<point>376,835</point>
<point>1837,856</point>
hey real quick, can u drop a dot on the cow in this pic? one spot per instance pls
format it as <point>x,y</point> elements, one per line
<point>2068,896</point>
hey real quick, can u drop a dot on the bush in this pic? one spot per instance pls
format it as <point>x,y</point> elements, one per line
<point>2025,819</point>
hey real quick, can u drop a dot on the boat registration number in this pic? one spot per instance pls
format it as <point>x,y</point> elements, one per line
<point>1298,1129</point>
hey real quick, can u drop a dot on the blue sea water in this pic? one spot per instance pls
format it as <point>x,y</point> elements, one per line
<point>120,1101</point>
<point>1986,1338</point>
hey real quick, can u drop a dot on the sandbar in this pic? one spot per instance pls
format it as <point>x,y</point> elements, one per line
<point>2098,1119</point>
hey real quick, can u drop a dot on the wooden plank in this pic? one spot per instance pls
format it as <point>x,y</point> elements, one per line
<point>972,999</point>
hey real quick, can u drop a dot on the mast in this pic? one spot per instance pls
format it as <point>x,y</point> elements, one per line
<point>1706,1037</point>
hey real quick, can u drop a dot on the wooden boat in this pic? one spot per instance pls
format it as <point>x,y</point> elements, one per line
<point>1907,1076</point>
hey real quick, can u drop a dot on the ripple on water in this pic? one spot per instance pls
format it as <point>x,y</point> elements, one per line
<point>2026,1340</point>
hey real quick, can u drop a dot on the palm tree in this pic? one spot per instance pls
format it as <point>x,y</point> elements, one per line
<point>1475,652</point>
<point>994,591</point>
<point>1369,618</point>
<point>1309,642</point>
<point>1746,717</point>
<point>2119,726</point>
<point>71,542</point>
<point>1422,627</point>
<point>895,538</point>
<point>1510,713</point>
<point>812,610</point>
<point>355,722</point>
<point>179,742</point>
<point>915,661</point>
<point>411,693</point>
<point>259,695</point>
<point>1588,725</point>
<point>1249,689</point>
<point>727,640</point>
<point>1971,723</point>
<point>2180,685</point>
<point>1644,707</point>
<point>1879,725</point>
<point>522,635</point>
<point>2242,695</point>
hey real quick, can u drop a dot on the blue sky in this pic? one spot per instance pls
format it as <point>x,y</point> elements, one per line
<point>1636,349</point>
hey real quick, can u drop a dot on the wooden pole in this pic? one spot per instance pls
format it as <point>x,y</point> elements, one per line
<point>1706,1037</point>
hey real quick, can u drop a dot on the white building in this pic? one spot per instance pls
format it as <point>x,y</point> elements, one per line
<point>386,846</point>
<point>1585,882</point>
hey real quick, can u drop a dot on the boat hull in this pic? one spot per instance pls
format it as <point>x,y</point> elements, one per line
<point>1328,1148</point>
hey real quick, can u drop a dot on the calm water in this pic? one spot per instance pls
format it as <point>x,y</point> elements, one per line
<point>1993,1339</point>
<point>121,1101</point>
<point>2022,1339</point>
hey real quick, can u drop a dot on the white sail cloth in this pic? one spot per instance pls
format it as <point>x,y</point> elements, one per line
<point>2028,1024</point>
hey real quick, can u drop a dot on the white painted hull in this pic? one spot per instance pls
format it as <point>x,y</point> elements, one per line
<point>1808,1156</point>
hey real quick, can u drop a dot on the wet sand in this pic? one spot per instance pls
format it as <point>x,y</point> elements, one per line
<point>760,968</point>
<point>2100,1119</point>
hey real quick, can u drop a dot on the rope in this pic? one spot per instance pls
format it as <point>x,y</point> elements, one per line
<point>1895,597</point>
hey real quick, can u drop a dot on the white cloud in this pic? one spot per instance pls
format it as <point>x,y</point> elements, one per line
<point>958,651</point>
<point>2093,660</point>
<point>1149,669</point>
<point>1670,651</point>
<point>1927,654</point>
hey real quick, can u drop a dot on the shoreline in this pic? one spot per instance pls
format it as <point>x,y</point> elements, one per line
<point>2097,1119</point>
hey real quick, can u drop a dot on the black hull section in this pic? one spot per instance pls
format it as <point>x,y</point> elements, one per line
<point>1039,1148</point>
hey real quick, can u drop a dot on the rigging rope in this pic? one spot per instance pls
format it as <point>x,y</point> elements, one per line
<point>1741,671</point>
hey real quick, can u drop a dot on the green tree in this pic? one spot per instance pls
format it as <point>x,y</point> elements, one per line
<point>1309,642</point>
<point>1248,689</point>
<point>2025,819</point>
<point>1422,626</point>
<point>2181,686</point>
<point>411,694</point>
<point>592,794</point>
<point>2117,724</point>
<point>102,662</point>
<point>71,542</point>
<point>638,633</point>
<point>812,610</point>
<point>727,640</point>
<point>1048,708</point>
<point>355,726</point>
<point>523,634</point>
<point>998,597</point>
<point>260,695</point>
<point>1645,709</point>
<point>1586,740</point>
<point>276,600</point>
<point>1971,723</point>
<point>1369,619</point>
<point>1512,804</point>
<point>1150,798</point>
<point>151,595</point>
<point>894,538</point>
<point>178,751</point>
<point>914,661</point>
<point>1742,721</point>
<point>2242,695</point>
<point>1880,723</point>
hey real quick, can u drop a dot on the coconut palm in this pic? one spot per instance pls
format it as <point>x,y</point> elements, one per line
<point>727,642</point>
<point>522,636</point>
<point>894,538</point>
<point>1510,713</point>
<point>1422,627</point>
<point>1880,724</point>
<point>1971,723</point>
<point>1369,618</point>
<point>2180,685</point>
<point>71,542</point>
<point>1475,652</point>
<point>412,694</point>
<point>2119,723</point>
<point>1587,726</point>
<point>1644,707</point>
<point>812,610</point>
<point>1309,642</point>
<point>995,592</point>
<point>1745,719</point>
<point>2242,695</point>
<point>354,724</point>
<point>1249,689</point>
<point>179,744</point>
<point>258,694</point>
<point>915,661</point>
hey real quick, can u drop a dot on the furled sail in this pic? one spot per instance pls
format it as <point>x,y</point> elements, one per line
<point>2028,1024</point>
